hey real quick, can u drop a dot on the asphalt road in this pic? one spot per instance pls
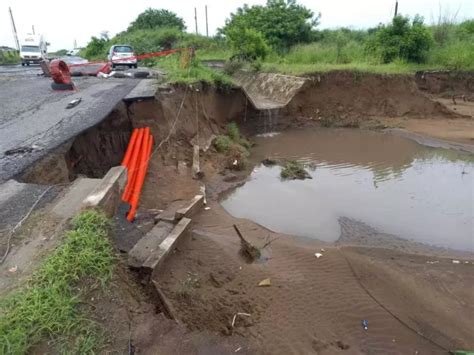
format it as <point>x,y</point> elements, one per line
<point>34,116</point>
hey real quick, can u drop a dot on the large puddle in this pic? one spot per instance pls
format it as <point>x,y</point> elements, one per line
<point>388,182</point>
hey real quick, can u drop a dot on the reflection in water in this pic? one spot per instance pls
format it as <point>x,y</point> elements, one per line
<point>389,182</point>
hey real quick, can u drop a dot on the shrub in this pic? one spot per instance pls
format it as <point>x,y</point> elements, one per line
<point>222,143</point>
<point>233,131</point>
<point>402,39</point>
<point>9,57</point>
<point>232,66</point>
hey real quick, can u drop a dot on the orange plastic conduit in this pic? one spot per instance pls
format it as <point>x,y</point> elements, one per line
<point>132,165</point>
<point>131,186</point>
<point>137,189</point>
<point>131,144</point>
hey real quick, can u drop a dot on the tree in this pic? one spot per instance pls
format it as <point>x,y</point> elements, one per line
<point>157,18</point>
<point>248,44</point>
<point>282,23</point>
<point>96,48</point>
<point>402,39</point>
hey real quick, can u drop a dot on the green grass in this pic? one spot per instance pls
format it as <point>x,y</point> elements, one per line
<point>47,307</point>
<point>195,72</point>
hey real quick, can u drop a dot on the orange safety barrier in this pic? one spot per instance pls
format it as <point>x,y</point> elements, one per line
<point>140,175</point>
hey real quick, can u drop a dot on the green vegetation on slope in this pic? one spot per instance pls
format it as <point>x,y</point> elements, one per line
<point>9,58</point>
<point>47,308</point>
<point>234,146</point>
<point>282,36</point>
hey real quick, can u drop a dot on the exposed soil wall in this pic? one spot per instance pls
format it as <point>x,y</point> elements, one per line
<point>95,151</point>
<point>195,113</point>
<point>354,95</point>
<point>446,83</point>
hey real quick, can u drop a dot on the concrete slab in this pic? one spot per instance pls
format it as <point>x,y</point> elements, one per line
<point>157,258</point>
<point>145,90</point>
<point>71,202</point>
<point>149,244</point>
<point>169,214</point>
<point>107,194</point>
<point>34,116</point>
<point>196,204</point>
<point>268,91</point>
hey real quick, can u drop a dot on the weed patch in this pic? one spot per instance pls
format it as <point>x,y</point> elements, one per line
<point>47,308</point>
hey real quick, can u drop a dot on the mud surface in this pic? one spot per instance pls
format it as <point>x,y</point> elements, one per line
<point>389,182</point>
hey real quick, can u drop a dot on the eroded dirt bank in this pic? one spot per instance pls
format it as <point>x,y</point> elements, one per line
<point>313,305</point>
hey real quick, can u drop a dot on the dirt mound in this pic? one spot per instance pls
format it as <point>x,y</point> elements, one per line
<point>354,95</point>
<point>446,83</point>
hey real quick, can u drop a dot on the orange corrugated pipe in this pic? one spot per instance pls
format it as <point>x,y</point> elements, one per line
<point>131,145</point>
<point>133,163</point>
<point>136,168</point>
<point>140,178</point>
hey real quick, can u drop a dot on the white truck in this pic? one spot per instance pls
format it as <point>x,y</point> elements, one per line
<point>33,49</point>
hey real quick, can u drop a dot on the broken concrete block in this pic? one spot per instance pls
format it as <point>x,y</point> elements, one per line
<point>167,245</point>
<point>196,204</point>
<point>149,244</point>
<point>107,195</point>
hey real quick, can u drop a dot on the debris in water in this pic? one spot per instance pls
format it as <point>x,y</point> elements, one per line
<point>293,170</point>
<point>264,283</point>
<point>432,262</point>
<point>269,162</point>
<point>238,349</point>
<point>365,324</point>
<point>456,262</point>
<point>207,208</point>
<point>318,255</point>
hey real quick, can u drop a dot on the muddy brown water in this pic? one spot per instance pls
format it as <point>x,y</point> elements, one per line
<point>391,183</point>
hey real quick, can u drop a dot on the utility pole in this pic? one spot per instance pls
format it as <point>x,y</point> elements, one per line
<point>196,19</point>
<point>33,28</point>
<point>396,8</point>
<point>207,25</point>
<point>15,35</point>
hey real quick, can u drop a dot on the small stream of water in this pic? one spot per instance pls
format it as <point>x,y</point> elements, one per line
<point>391,183</point>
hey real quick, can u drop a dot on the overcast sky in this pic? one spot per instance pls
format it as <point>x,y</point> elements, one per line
<point>61,22</point>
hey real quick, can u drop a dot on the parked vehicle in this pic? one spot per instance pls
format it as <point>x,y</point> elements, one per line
<point>33,49</point>
<point>74,52</point>
<point>121,54</point>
